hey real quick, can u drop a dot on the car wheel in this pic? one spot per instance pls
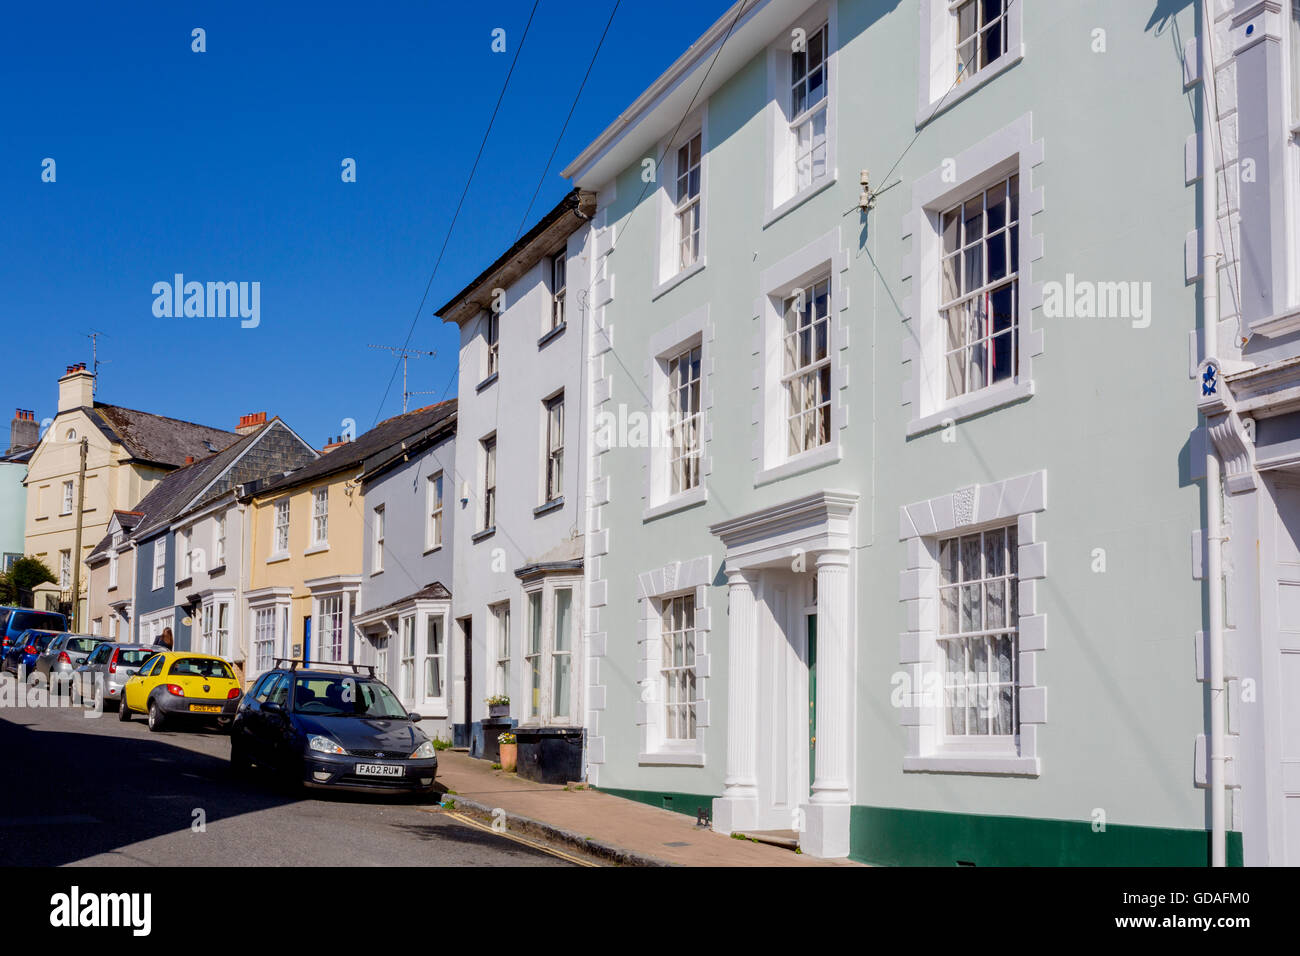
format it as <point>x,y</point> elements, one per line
<point>123,712</point>
<point>156,718</point>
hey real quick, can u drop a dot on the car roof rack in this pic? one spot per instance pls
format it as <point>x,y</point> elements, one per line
<point>295,662</point>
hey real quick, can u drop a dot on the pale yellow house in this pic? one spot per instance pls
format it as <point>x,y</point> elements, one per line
<point>306,532</point>
<point>127,452</point>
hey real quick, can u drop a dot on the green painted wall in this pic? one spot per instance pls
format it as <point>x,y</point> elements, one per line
<point>891,837</point>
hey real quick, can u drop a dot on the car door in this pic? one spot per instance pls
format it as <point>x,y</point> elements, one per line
<point>137,688</point>
<point>275,725</point>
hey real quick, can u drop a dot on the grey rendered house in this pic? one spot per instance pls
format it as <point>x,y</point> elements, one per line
<point>405,596</point>
<point>190,573</point>
<point>837,436</point>
<point>519,596</point>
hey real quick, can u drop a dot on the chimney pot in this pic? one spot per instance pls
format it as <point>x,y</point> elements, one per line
<point>189,459</point>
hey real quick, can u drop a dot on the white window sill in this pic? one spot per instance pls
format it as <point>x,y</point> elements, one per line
<point>687,499</point>
<point>317,548</point>
<point>670,759</point>
<point>277,558</point>
<point>995,396</point>
<point>968,762</point>
<point>805,461</point>
<point>436,547</point>
<point>376,571</point>
<point>674,281</point>
<point>799,198</point>
<point>934,108</point>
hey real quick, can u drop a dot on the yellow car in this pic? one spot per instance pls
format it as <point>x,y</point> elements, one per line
<point>175,684</point>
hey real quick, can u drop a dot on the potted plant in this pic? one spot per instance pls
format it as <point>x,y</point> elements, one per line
<point>509,751</point>
<point>498,706</point>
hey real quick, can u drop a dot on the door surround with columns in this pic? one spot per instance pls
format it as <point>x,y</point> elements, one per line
<point>812,533</point>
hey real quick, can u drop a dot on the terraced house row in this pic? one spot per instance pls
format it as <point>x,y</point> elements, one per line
<point>766,432</point>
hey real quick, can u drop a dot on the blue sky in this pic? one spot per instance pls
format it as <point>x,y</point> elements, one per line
<point>225,166</point>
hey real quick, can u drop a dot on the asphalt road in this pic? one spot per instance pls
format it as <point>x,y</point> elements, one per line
<point>97,792</point>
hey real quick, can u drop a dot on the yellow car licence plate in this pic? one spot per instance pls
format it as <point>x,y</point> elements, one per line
<point>204,709</point>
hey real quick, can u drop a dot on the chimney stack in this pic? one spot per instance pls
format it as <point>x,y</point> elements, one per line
<point>24,432</point>
<point>76,388</point>
<point>250,423</point>
<point>333,443</point>
<point>189,459</point>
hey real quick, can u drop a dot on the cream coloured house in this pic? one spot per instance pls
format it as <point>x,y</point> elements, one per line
<point>127,452</point>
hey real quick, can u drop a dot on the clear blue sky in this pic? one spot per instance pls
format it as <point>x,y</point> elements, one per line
<point>225,166</point>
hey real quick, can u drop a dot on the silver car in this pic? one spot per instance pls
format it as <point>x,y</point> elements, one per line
<point>99,680</point>
<point>55,665</point>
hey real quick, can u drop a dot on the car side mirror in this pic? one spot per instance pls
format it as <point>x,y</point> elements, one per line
<point>415,718</point>
<point>271,707</point>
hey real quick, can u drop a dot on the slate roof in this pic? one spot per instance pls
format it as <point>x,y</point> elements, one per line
<point>390,432</point>
<point>430,592</point>
<point>201,474</point>
<point>128,520</point>
<point>170,487</point>
<point>156,438</point>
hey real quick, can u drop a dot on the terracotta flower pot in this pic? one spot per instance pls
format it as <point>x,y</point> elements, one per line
<point>509,756</point>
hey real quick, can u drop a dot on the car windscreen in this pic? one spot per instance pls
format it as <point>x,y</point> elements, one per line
<point>82,645</point>
<point>42,620</point>
<point>41,639</point>
<point>201,667</point>
<point>345,697</point>
<point>133,658</point>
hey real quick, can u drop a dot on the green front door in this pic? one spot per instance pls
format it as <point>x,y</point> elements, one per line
<point>812,700</point>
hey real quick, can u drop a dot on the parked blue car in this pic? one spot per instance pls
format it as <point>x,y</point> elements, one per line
<point>15,620</point>
<point>21,656</point>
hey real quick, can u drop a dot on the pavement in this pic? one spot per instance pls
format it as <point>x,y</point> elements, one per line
<point>608,827</point>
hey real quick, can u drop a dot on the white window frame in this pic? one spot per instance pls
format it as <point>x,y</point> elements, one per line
<point>113,560</point>
<point>557,287</point>
<point>541,654</point>
<point>1010,150</point>
<point>320,518</point>
<point>433,508</point>
<point>407,655</point>
<point>677,679</point>
<point>694,330</point>
<point>324,611</point>
<point>807,313</point>
<point>655,590</point>
<point>820,259</point>
<point>492,342</point>
<point>264,643</point>
<point>488,512</point>
<point>782,189</point>
<point>219,540</point>
<point>436,702</point>
<point>280,529</point>
<point>68,489</point>
<point>277,602</point>
<point>553,449</point>
<point>65,568</point>
<point>112,627</point>
<point>937,87</point>
<point>377,539</point>
<point>185,554</point>
<point>920,693</point>
<point>159,561</point>
<point>501,641</point>
<point>668,269</point>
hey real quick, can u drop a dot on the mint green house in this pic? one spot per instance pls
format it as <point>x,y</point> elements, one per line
<point>892,502</point>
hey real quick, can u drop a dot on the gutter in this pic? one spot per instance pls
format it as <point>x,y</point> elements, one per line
<point>1213,480</point>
